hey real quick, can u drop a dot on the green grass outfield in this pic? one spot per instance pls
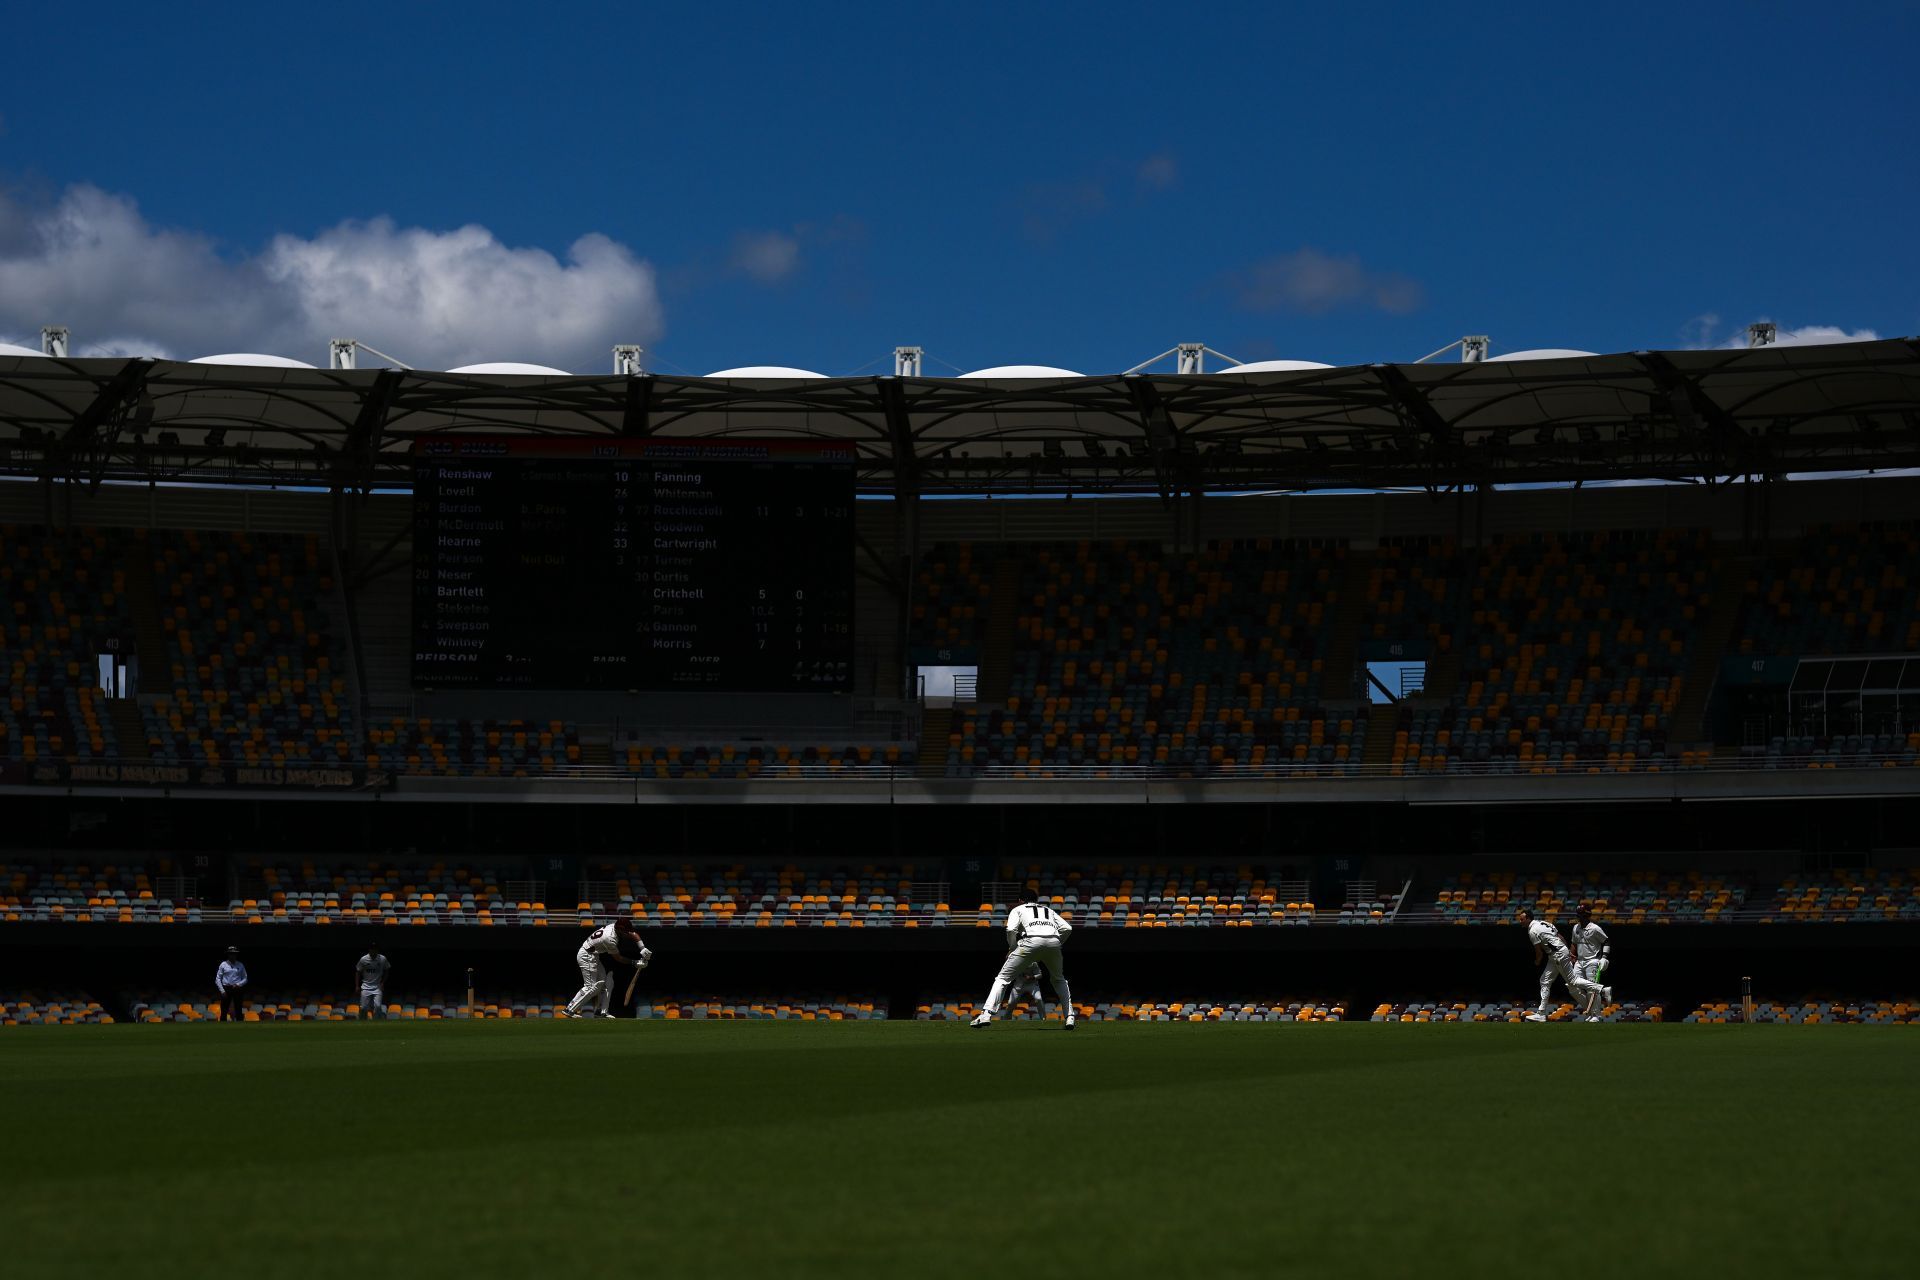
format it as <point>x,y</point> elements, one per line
<point>650,1149</point>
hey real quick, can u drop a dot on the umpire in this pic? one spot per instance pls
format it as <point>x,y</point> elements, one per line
<point>229,980</point>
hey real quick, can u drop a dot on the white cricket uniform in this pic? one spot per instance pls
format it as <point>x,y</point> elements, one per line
<point>1035,934</point>
<point>1560,965</point>
<point>372,972</point>
<point>1589,952</point>
<point>1547,974</point>
<point>1025,988</point>
<point>600,944</point>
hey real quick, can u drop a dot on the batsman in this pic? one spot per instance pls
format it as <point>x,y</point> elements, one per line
<point>610,942</point>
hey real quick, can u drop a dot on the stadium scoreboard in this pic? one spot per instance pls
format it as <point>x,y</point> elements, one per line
<point>575,563</point>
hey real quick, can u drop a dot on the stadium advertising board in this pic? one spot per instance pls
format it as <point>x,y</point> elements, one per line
<point>143,774</point>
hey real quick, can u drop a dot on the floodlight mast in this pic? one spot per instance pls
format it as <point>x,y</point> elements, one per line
<point>1473,349</point>
<point>1762,334</point>
<point>53,341</point>
<point>342,353</point>
<point>906,362</point>
<point>626,361</point>
<point>1189,359</point>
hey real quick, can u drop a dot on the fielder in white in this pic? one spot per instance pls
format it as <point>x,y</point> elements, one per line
<point>1035,934</point>
<point>602,945</point>
<point>1551,949</point>
<point>370,971</point>
<point>1592,955</point>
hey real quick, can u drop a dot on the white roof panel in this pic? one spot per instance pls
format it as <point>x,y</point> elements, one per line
<point>1274,366</point>
<point>252,360</point>
<point>1023,371</point>
<point>509,366</point>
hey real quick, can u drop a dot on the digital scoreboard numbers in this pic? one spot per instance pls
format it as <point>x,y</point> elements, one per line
<point>632,564</point>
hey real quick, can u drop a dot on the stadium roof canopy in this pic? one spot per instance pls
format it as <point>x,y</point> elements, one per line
<point>1765,411</point>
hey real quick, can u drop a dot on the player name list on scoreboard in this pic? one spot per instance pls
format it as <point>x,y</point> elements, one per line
<point>649,565</point>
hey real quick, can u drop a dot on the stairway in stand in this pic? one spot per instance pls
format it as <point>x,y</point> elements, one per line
<point>1340,660</point>
<point>1710,642</point>
<point>936,725</point>
<point>149,635</point>
<point>1383,721</point>
<point>996,649</point>
<point>129,730</point>
<point>1443,677</point>
<point>382,587</point>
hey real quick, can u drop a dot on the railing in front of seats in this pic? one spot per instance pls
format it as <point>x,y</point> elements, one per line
<point>1083,773</point>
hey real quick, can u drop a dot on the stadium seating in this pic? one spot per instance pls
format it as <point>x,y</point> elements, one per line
<point>1858,895</point>
<point>1812,1011</point>
<point>488,748</point>
<point>1413,594</point>
<point>315,890</point>
<point>84,893</point>
<point>1636,897</point>
<point>62,605</point>
<point>301,891</point>
<point>699,1008</point>
<point>1128,1009</point>
<point>318,1007</point>
<point>255,666</point>
<point>49,1008</point>
<point>1507,1011</point>
<point>1572,653</point>
<point>1155,896</point>
<point>1125,656</point>
<point>951,594</point>
<point>650,758</point>
<point>765,896</point>
<point>1815,751</point>
<point>1838,590</point>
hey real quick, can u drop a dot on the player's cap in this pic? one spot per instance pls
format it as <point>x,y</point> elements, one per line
<point>1583,910</point>
<point>233,951</point>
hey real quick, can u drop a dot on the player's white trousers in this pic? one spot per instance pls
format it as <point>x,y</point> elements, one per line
<point>1049,955</point>
<point>1591,970</point>
<point>373,1001</point>
<point>595,989</point>
<point>1582,989</point>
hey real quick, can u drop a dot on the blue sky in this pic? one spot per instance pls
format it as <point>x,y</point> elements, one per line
<point>1074,185</point>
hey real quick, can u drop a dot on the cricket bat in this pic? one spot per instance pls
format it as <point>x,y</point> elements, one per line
<point>631,984</point>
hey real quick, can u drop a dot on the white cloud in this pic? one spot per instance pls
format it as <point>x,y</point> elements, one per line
<point>1310,281</point>
<point>1702,333</point>
<point>91,261</point>
<point>1810,335</point>
<point>1158,171</point>
<point>766,257</point>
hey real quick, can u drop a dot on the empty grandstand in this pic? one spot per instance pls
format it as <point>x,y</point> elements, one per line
<point>1231,720</point>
